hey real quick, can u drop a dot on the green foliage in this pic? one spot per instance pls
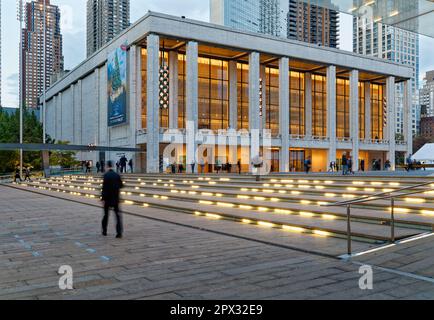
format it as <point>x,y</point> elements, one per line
<point>64,159</point>
<point>10,133</point>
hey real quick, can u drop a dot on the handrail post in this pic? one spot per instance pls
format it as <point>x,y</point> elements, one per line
<point>349,229</point>
<point>392,223</point>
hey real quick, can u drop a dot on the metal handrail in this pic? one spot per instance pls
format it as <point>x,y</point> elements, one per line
<point>377,196</point>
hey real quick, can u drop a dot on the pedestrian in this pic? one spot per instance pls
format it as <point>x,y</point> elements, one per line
<point>173,167</point>
<point>239,166</point>
<point>307,163</point>
<point>379,165</point>
<point>27,174</point>
<point>409,163</point>
<point>123,163</point>
<point>130,164</point>
<point>98,166</point>
<point>332,167</point>
<point>102,166</point>
<point>88,167</point>
<point>17,175</point>
<point>228,167</point>
<point>350,165</point>
<point>218,166</point>
<point>193,166</point>
<point>110,196</point>
<point>387,165</point>
<point>344,164</point>
<point>118,165</point>
<point>362,165</point>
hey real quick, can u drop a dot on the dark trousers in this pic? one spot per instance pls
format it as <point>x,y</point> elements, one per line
<point>119,222</point>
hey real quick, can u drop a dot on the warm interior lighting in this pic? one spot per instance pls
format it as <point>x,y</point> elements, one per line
<point>247,221</point>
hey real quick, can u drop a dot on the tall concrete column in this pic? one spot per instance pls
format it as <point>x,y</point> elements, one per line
<point>308,105</point>
<point>173,90</point>
<point>391,119</point>
<point>284,113</point>
<point>368,110</point>
<point>192,101</point>
<point>331,111</point>
<point>153,121</point>
<point>354,117</point>
<point>408,131</point>
<point>254,119</point>
<point>233,95</point>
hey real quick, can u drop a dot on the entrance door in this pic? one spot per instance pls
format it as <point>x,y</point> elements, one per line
<point>296,160</point>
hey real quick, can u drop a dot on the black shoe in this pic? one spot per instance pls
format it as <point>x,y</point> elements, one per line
<point>119,236</point>
<point>104,234</point>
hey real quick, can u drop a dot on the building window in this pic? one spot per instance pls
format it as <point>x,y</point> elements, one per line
<point>243,95</point>
<point>213,94</point>
<point>377,94</point>
<point>272,100</point>
<point>297,106</point>
<point>319,106</point>
<point>342,108</point>
<point>181,90</point>
<point>362,130</point>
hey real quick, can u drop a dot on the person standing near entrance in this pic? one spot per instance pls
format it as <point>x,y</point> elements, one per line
<point>98,167</point>
<point>344,164</point>
<point>130,164</point>
<point>110,196</point>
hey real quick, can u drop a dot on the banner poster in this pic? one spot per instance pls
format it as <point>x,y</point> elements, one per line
<point>117,87</point>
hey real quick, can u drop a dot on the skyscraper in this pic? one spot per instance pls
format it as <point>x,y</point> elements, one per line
<point>373,38</point>
<point>31,71</point>
<point>293,19</point>
<point>264,16</point>
<point>105,20</point>
<point>427,95</point>
<point>313,24</point>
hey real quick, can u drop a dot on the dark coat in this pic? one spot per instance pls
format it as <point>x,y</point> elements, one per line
<point>111,188</point>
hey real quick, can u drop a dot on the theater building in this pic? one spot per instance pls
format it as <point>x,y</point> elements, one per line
<point>316,102</point>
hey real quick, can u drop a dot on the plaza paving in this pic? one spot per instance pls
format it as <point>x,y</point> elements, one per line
<point>172,255</point>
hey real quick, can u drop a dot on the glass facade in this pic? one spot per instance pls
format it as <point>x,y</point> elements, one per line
<point>342,108</point>
<point>362,130</point>
<point>377,96</point>
<point>181,90</point>
<point>272,100</point>
<point>297,104</point>
<point>243,95</point>
<point>319,106</point>
<point>213,94</point>
<point>144,64</point>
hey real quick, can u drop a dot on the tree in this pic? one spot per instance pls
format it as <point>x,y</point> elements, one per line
<point>10,133</point>
<point>64,159</point>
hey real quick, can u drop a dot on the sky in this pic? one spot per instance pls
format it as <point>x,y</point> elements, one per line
<point>73,27</point>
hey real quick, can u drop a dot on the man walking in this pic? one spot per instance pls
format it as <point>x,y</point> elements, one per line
<point>344,164</point>
<point>110,196</point>
<point>130,164</point>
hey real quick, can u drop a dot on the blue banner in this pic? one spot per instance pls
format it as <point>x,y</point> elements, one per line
<point>117,87</point>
